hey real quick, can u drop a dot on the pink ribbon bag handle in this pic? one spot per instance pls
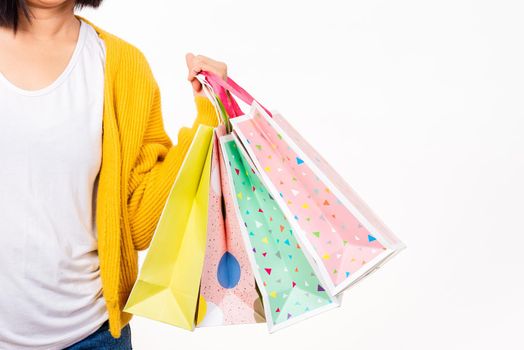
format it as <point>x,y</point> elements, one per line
<point>230,104</point>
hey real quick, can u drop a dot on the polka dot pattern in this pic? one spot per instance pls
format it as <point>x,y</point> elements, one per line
<point>228,286</point>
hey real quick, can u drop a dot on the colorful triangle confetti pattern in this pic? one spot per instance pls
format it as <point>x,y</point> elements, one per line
<point>292,287</point>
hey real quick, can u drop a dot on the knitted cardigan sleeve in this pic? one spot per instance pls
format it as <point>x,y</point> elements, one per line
<point>157,165</point>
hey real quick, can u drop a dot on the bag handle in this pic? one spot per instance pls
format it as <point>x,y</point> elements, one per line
<point>229,103</point>
<point>209,93</point>
<point>228,106</point>
<point>233,88</point>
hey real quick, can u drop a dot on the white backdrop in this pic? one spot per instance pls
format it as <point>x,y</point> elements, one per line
<point>419,105</point>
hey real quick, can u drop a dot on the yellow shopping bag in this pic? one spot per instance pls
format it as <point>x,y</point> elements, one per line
<point>167,288</point>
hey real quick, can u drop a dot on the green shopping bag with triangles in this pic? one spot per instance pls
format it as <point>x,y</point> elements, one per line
<point>291,291</point>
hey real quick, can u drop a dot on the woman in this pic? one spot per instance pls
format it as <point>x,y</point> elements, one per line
<point>86,170</point>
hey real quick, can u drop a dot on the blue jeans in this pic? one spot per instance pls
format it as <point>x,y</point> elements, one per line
<point>101,339</point>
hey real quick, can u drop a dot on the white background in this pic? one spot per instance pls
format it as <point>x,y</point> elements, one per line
<point>419,105</point>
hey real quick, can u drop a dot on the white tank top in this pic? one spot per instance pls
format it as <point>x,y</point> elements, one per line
<point>50,157</point>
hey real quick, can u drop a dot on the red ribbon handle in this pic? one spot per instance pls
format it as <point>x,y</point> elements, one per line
<point>220,86</point>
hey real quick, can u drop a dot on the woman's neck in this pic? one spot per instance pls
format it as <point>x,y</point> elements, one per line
<point>48,22</point>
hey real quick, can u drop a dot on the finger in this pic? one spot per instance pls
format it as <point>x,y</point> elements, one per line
<point>194,67</point>
<point>198,67</point>
<point>195,64</point>
<point>216,67</point>
<point>190,61</point>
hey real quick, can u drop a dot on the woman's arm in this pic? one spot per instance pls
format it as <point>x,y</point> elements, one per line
<point>156,159</point>
<point>156,168</point>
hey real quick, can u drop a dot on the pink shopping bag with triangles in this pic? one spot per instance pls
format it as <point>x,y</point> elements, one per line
<point>228,292</point>
<point>344,239</point>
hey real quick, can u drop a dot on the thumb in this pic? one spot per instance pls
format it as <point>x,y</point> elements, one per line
<point>197,86</point>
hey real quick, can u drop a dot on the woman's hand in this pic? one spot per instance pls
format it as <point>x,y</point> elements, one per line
<point>195,64</point>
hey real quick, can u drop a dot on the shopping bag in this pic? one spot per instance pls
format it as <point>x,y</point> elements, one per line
<point>167,287</point>
<point>228,293</point>
<point>290,288</point>
<point>342,237</point>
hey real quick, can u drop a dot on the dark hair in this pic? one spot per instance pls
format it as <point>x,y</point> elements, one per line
<point>9,10</point>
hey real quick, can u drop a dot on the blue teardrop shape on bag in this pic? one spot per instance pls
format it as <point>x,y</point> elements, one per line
<point>228,272</point>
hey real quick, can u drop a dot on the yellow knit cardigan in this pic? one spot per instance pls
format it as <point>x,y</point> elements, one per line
<point>139,166</point>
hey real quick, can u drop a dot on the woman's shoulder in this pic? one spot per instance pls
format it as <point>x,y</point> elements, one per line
<point>129,55</point>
